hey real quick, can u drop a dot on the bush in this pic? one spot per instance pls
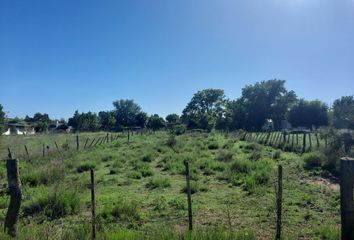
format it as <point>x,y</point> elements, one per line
<point>171,141</point>
<point>249,148</point>
<point>213,145</point>
<point>86,167</point>
<point>224,156</point>
<point>195,187</point>
<point>45,175</point>
<point>241,166</point>
<point>178,129</point>
<point>147,158</point>
<point>135,175</point>
<point>123,210</point>
<point>55,205</point>
<point>158,182</point>
<point>144,169</point>
<point>277,154</point>
<point>313,160</point>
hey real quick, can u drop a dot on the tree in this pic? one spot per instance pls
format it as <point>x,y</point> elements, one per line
<point>172,118</point>
<point>2,118</point>
<point>204,109</point>
<point>107,120</point>
<point>343,112</point>
<point>126,112</point>
<point>309,113</point>
<point>266,99</point>
<point>155,122</point>
<point>85,121</point>
<point>141,119</point>
<point>38,117</point>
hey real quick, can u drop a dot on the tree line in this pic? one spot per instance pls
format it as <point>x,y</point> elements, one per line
<point>210,109</point>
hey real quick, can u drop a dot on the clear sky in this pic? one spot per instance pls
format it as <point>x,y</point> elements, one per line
<point>59,56</point>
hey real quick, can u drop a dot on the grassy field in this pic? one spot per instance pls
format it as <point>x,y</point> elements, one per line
<point>140,190</point>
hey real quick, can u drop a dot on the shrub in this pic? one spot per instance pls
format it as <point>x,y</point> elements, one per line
<point>229,144</point>
<point>56,204</point>
<point>123,210</point>
<point>158,182</point>
<point>179,129</point>
<point>86,167</point>
<point>248,148</point>
<point>313,160</point>
<point>277,154</point>
<point>213,145</point>
<point>45,175</point>
<point>195,187</point>
<point>177,203</point>
<point>171,141</point>
<point>147,158</point>
<point>255,155</point>
<point>144,169</point>
<point>241,166</point>
<point>135,175</point>
<point>224,156</point>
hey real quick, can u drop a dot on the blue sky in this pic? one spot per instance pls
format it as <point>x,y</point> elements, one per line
<point>59,56</point>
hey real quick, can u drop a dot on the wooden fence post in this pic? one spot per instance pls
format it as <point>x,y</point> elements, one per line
<point>310,140</point>
<point>279,202</point>
<point>128,136</point>
<point>86,143</point>
<point>14,185</point>
<point>318,142</point>
<point>189,197</point>
<point>304,143</point>
<point>92,142</point>
<point>297,139</point>
<point>56,145</point>
<point>43,150</point>
<point>93,205</point>
<point>107,137</point>
<point>346,197</point>
<point>77,143</point>
<point>26,149</point>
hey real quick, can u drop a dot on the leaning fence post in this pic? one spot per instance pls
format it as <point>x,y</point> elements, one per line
<point>279,202</point>
<point>14,185</point>
<point>346,197</point>
<point>189,197</point>
<point>26,149</point>
<point>56,145</point>
<point>86,143</point>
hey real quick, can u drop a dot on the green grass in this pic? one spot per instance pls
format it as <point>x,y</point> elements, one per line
<point>140,190</point>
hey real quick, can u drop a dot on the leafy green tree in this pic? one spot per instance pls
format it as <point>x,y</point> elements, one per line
<point>39,117</point>
<point>126,112</point>
<point>2,118</point>
<point>85,121</point>
<point>266,99</point>
<point>172,118</point>
<point>309,113</point>
<point>155,122</point>
<point>204,109</point>
<point>107,120</point>
<point>141,119</point>
<point>343,112</point>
